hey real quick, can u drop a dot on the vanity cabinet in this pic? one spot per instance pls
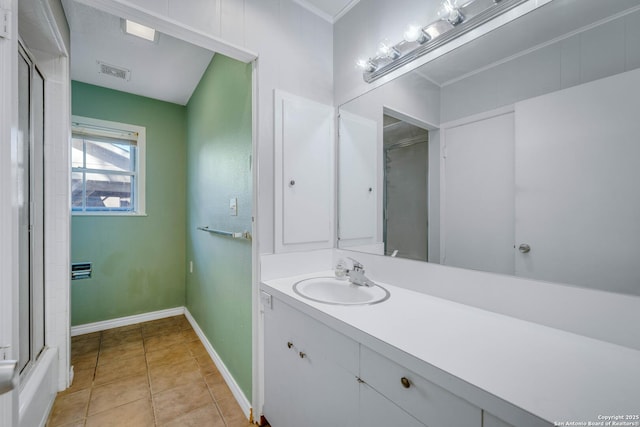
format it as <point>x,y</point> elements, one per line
<point>315,376</point>
<point>310,371</point>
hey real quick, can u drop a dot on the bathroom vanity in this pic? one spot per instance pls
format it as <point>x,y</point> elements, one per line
<point>416,360</point>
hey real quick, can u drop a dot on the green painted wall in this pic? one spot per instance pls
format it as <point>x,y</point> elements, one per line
<point>219,159</point>
<point>138,262</point>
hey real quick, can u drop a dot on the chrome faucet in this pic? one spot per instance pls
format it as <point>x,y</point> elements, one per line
<point>356,274</point>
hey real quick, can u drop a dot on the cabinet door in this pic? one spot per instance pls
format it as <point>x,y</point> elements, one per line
<point>304,169</point>
<point>310,371</point>
<point>377,410</point>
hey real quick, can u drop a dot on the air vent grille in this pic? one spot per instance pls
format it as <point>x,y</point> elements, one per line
<point>113,71</point>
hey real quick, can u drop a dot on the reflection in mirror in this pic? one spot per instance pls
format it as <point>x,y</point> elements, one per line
<point>527,163</point>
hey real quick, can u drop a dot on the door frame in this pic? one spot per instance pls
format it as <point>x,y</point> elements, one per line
<point>8,211</point>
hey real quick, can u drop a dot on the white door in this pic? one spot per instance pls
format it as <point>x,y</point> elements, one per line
<point>304,173</point>
<point>358,195</point>
<point>580,219</point>
<point>478,195</point>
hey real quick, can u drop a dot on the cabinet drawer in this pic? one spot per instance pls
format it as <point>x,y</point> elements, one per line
<point>314,339</point>
<point>429,403</point>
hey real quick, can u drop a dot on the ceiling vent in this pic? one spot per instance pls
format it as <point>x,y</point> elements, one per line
<point>113,71</point>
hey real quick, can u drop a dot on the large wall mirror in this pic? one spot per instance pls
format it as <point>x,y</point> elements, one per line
<point>516,153</point>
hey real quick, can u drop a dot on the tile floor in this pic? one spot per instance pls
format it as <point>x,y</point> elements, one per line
<point>155,373</point>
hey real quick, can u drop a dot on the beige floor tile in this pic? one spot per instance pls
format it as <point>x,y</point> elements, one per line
<point>84,362</point>
<point>165,377</point>
<point>158,342</point>
<point>114,340</point>
<point>82,379</point>
<point>179,401</point>
<point>190,335</point>
<point>238,422</point>
<point>196,348</point>
<point>169,355</point>
<point>135,327</point>
<point>230,409</point>
<point>118,393</point>
<point>84,337</point>
<point>73,424</point>
<point>160,329</point>
<point>182,322</point>
<point>121,368</point>
<point>135,414</point>
<point>219,388</point>
<point>86,347</point>
<point>69,408</point>
<point>122,351</point>
<point>207,416</point>
<point>206,365</point>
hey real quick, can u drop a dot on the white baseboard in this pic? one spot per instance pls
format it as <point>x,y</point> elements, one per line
<point>125,321</point>
<point>231,382</point>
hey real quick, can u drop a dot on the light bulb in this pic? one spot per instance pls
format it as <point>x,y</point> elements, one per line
<point>385,49</point>
<point>449,12</point>
<point>412,33</point>
<point>415,34</point>
<point>365,65</point>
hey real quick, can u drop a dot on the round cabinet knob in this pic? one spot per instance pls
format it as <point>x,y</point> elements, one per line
<point>405,382</point>
<point>302,355</point>
<point>289,344</point>
<point>370,189</point>
<point>292,183</point>
<point>524,248</point>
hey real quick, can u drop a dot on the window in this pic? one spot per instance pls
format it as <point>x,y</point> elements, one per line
<point>107,161</point>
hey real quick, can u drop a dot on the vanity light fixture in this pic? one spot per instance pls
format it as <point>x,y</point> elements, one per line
<point>456,17</point>
<point>139,30</point>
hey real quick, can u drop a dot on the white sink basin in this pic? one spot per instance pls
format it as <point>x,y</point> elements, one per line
<point>330,290</point>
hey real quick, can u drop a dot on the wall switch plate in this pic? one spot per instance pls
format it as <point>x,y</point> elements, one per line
<point>233,206</point>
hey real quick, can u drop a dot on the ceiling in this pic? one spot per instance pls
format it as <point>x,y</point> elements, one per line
<point>168,70</point>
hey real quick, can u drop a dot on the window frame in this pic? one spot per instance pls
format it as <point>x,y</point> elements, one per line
<point>139,181</point>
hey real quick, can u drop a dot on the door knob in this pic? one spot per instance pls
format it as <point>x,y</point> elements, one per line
<point>524,248</point>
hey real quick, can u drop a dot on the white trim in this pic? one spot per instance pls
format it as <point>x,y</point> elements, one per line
<point>242,400</point>
<point>125,321</point>
<point>315,10</point>
<point>325,15</point>
<point>345,9</point>
<point>257,358</point>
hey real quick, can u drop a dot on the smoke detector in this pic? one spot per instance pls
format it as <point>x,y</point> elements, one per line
<point>114,71</point>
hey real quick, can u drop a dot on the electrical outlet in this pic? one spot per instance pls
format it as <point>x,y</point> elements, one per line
<point>190,266</point>
<point>233,206</point>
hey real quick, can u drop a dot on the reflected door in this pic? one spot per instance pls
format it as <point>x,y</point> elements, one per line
<point>577,198</point>
<point>478,191</point>
<point>357,197</point>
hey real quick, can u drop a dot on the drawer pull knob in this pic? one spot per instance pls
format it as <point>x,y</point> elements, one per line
<point>302,355</point>
<point>289,344</point>
<point>405,382</point>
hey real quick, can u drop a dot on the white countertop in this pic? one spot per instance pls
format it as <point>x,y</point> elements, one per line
<point>555,375</point>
